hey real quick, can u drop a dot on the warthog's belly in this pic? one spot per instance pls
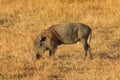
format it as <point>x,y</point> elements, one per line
<point>70,40</point>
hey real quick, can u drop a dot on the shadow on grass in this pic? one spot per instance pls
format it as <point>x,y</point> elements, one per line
<point>63,57</point>
<point>55,77</point>
<point>2,76</point>
<point>104,55</point>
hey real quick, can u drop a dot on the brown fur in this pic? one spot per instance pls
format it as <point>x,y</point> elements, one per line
<point>51,33</point>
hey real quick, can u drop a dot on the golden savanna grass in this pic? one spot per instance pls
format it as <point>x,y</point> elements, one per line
<point>22,20</point>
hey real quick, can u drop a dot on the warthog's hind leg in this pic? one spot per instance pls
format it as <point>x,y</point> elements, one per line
<point>86,47</point>
<point>89,49</point>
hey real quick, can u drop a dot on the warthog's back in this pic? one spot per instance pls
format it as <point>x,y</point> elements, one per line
<point>69,32</point>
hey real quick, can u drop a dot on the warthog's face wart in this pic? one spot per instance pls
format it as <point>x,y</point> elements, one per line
<point>40,46</point>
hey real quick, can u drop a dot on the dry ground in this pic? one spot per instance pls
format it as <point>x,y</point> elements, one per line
<point>22,20</point>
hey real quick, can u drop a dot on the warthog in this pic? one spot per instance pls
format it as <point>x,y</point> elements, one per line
<point>68,33</point>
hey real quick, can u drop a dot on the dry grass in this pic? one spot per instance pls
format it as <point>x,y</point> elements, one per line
<point>21,20</point>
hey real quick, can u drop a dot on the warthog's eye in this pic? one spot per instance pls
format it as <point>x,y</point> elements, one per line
<point>40,44</point>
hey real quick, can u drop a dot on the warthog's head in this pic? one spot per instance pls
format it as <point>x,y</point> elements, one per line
<point>46,41</point>
<point>40,46</point>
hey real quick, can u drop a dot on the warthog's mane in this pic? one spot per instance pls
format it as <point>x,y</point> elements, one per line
<point>51,33</point>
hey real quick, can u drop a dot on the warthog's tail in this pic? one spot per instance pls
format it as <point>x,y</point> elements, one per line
<point>90,36</point>
<point>89,45</point>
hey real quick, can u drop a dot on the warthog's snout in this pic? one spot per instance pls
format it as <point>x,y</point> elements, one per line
<point>37,56</point>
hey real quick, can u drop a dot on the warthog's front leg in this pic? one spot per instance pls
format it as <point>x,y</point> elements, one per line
<point>51,52</point>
